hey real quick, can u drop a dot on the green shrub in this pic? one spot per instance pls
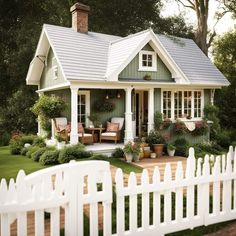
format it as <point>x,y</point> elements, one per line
<point>31,150</point>
<point>36,155</point>
<point>4,138</point>
<point>73,153</point>
<point>223,138</point>
<point>39,141</point>
<point>201,149</point>
<point>24,150</point>
<point>182,146</point>
<point>49,158</point>
<point>27,139</point>
<point>118,153</point>
<point>15,149</point>
<point>158,120</point>
<point>211,113</point>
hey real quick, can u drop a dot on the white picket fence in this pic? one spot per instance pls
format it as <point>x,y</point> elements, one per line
<point>175,204</point>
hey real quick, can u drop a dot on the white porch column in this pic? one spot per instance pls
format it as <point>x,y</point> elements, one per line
<point>74,116</point>
<point>40,131</point>
<point>128,116</point>
<point>150,109</point>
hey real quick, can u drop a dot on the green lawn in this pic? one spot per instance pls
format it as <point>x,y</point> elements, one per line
<point>11,164</point>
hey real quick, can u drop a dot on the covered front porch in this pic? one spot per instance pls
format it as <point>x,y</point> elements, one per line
<point>134,103</point>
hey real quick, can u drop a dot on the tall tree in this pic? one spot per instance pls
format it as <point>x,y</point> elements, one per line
<point>224,52</point>
<point>201,8</point>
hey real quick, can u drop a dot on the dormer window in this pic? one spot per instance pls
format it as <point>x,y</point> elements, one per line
<point>147,61</point>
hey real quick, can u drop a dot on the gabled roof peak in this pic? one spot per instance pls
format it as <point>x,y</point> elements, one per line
<point>132,35</point>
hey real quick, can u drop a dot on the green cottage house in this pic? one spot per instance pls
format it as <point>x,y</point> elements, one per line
<point>141,74</point>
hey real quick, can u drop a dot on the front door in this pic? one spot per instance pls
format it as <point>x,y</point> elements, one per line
<point>140,113</point>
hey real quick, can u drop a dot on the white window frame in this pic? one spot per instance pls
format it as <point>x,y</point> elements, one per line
<point>87,104</point>
<point>154,61</point>
<point>192,103</point>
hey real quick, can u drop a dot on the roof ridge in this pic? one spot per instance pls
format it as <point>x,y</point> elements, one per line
<point>130,36</point>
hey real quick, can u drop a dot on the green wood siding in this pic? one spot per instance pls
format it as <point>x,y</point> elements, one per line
<point>47,79</point>
<point>99,95</point>
<point>207,96</point>
<point>131,71</point>
<point>157,99</point>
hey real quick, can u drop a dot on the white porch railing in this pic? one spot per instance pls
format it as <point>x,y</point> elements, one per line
<point>74,185</point>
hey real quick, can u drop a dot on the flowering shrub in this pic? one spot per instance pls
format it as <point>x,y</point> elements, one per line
<point>180,128</point>
<point>132,148</point>
<point>201,128</point>
<point>166,124</point>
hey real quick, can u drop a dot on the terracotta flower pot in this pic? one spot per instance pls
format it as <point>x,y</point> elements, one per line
<point>158,149</point>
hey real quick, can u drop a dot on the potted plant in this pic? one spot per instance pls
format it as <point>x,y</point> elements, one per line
<point>136,151</point>
<point>171,149</point>
<point>155,140</point>
<point>95,119</point>
<point>147,76</point>
<point>61,143</point>
<point>130,150</point>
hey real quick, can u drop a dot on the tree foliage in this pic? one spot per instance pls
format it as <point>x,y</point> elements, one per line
<point>21,23</point>
<point>224,53</point>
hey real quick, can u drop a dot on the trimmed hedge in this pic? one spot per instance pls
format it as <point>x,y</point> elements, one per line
<point>36,155</point>
<point>49,157</point>
<point>31,150</point>
<point>73,153</point>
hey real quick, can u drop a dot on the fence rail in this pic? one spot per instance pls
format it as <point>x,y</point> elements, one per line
<point>203,194</point>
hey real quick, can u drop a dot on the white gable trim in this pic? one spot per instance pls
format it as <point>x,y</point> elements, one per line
<point>37,66</point>
<point>162,53</point>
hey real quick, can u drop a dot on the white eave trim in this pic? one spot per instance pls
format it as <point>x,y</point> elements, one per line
<point>56,87</point>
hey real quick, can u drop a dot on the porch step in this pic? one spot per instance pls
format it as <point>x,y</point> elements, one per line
<point>104,148</point>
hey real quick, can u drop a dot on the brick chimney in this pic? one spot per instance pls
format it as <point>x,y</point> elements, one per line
<point>79,13</point>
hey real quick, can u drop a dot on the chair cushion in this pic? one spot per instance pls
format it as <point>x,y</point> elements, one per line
<point>64,127</point>
<point>109,134</point>
<point>80,128</point>
<point>119,120</point>
<point>112,127</point>
<point>85,135</point>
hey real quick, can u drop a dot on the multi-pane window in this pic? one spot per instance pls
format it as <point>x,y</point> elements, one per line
<point>178,104</point>
<point>82,109</point>
<point>167,104</point>
<point>147,61</point>
<point>187,104</point>
<point>182,104</point>
<point>197,104</point>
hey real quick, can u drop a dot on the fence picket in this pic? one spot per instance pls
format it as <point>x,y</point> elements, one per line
<point>167,194</point>
<point>132,183</point>
<point>39,222</point>
<point>156,197</point>
<point>179,193</point>
<point>234,171</point>
<point>190,174</point>
<point>120,205</point>
<point>145,200</point>
<point>216,188</point>
<point>227,186</point>
<point>205,188</point>
<point>55,222</point>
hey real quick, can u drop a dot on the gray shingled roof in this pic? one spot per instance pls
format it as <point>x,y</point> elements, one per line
<point>192,61</point>
<point>86,56</point>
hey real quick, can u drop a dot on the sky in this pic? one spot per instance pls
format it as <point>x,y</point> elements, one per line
<point>224,25</point>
